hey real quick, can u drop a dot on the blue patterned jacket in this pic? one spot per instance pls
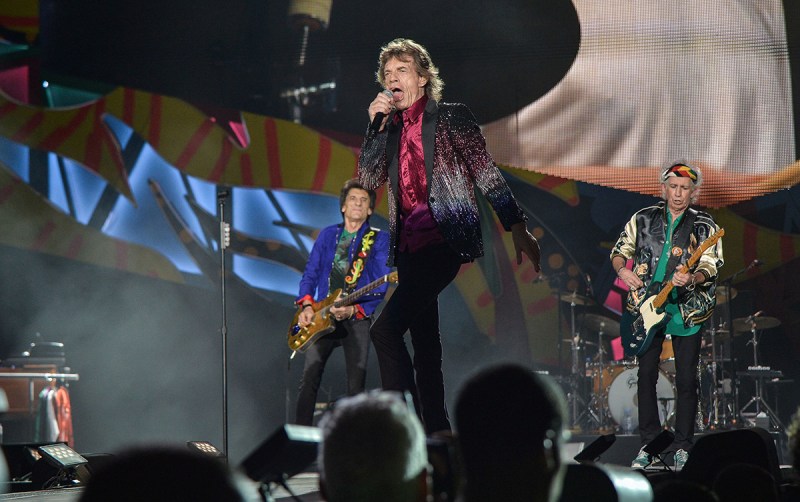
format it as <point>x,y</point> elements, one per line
<point>314,283</point>
<point>456,161</point>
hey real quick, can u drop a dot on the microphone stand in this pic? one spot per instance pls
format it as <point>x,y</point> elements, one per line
<point>224,242</point>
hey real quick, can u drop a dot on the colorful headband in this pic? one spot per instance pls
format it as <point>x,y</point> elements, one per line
<point>682,171</point>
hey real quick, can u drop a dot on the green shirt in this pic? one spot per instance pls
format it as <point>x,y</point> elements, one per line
<point>675,325</point>
<point>341,261</point>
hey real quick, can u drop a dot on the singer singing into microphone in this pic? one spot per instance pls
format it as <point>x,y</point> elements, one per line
<point>432,155</point>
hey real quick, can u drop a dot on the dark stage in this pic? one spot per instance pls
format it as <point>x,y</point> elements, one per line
<point>750,445</point>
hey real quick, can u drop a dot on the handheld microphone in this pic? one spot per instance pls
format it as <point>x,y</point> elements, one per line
<point>378,119</point>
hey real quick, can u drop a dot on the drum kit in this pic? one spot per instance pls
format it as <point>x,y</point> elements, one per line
<point>602,390</point>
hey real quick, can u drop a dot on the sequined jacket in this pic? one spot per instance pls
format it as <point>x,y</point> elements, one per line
<point>456,161</point>
<point>643,239</point>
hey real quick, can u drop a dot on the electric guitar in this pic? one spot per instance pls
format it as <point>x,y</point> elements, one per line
<point>652,315</point>
<point>301,339</point>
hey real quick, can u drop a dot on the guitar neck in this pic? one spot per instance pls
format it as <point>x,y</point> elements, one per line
<point>355,295</point>
<point>662,296</point>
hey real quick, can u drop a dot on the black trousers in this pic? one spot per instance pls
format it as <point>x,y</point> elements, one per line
<point>353,337</point>
<point>414,307</point>
<point>687,353</point>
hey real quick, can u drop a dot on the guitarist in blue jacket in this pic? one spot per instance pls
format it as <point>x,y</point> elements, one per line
<point>690,302</point>
<point>345,256</point>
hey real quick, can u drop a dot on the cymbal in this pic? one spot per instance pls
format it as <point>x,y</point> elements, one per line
<point>720,335</point>
<point>576,299</point>
<point>581,342</point>
<point>598,323</point>
<point>746,323</point>
<point>725,294</point>
<point>719,359</point>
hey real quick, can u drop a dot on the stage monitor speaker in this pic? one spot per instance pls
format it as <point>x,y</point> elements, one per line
<point>604,483</point>
<point>20,459</point>
<point>660,443</point>
<point>288,451</point>
<point>592,452</point>
<point>715,451</point>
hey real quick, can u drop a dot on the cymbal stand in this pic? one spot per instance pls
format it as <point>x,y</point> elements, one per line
<point>727,283</point>
<point>713,419</point>
<point>573,398</point>
<point>576,402</point>
<point>758,399</point>
<point>597,398</point>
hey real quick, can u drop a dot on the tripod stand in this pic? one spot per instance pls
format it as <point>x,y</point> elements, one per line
<point>714,421</point>
<point>759,372</point>
<point>574,399</point>
<point>602,376</point>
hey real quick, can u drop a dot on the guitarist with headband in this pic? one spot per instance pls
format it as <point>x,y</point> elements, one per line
<point>690,300</point>
<point>345,256</point>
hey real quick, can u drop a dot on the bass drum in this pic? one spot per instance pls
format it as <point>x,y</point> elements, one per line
<point>622,396</point>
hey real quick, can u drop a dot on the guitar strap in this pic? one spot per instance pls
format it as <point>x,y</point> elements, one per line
<point>357,267</point>
<point>680,242</point>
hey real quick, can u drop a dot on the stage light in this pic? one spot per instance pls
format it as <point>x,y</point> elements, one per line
<point>59,466</point>
<point>205,448</point>
<point>61,456</point>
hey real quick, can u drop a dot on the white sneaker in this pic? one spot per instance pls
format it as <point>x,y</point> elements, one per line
<point>681,456</point>
<point>642,460</point>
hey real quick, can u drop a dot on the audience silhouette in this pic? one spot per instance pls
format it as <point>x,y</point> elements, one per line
<point>166,474</point>
<point>373,449</point>
<point>509,427</point>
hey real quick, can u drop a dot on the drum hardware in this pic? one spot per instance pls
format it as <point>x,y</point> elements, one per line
<point>725,294</point>
<point>598,323</point>
<point>667,412</point>
<point>720,334</point>
<point>755,321</point>
<point>758,372</point>
<point>621,393</point>
<point>601,350</point>
<point>713,418</point>
<point>575,401</point>
<point>667,357</point>
<point>575,299</point>
<point>581,342</point>
<point>608,328</point>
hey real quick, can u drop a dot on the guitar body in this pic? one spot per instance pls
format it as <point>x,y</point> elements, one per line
<point>321,324</point>
<point>652,314</point>
<point>645,326</point>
